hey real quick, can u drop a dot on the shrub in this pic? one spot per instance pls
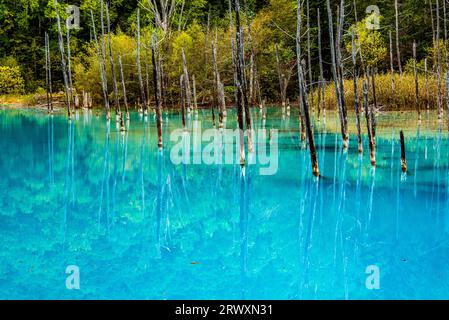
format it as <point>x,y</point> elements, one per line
<point>10,80</point>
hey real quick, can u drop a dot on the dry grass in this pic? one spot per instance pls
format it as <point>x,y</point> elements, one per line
<point>404,98</point>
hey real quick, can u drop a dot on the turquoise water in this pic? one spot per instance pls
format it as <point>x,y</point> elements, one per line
<point>140,227</point>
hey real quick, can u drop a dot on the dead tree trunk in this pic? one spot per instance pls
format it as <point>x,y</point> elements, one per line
<point>369,124</point>
<point>403,159</point>
<point>433,22</point>
<point>182,87</point>
<point>63,62</point>
<point>393,86</point>
<point>100,67</point>
<point>122,78</point>
<point>240,62</point>
<point>48,75</point>
<point>356,93</point>
<point>111,60</point>
<point>322,84</point>
<point>426,71</point>
<point>340,70</point>
<point>305,104</point>
<point>374,109</point>
<point>415,72</point>
<point>147,69</point>
<point>139,68</point>
<point>103,55</point>
<point>238,87</point>
<point>447,100</point>
<point>309,57</point>
<point>439,100</point>
<point>445,36</point>
<point>398,50</point>
<point>281,77</point>
<point>157,89</point>
<point>195,102</point>
<point>335,76</point>
<point>255,75</point>
<point>69,68</point>
<point>218,86</point>
<point>188,93</point>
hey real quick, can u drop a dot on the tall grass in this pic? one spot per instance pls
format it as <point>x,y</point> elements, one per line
<point>404,98</point>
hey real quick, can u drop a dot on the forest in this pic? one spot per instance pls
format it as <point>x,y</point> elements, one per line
<point>196,26</point>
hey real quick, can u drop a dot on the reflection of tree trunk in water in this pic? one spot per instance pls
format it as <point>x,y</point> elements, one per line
<point>50,149</point>
<point>392,157</point>
<point>67,182</point>
<point>114,187</point>
<point>418,134</point>
<point>125,154</point>
<point>358,192</point>
<point>309,236</point>
<point>160,158</point>
<point>398,208</point>
<point>436,171</point>
<point>244,182</point>
<point>105,165</point>
<point>142,179</point>
<point>371,198</point>
<point>73,163</point>
<point>220,164</point>
<point>341,206</point>
<point>185,137</point>
<point>335,169</point>
<point>323,155</point>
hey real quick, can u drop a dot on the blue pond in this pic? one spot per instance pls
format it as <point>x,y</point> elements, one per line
<point>137,225</point>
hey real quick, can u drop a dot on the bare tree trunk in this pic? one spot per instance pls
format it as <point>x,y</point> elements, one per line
<point>122,78</point>
<point>157,89</point>
<point>335,75</point>
<point>63,63</point>
<point>100,67</point>
<point>341,71</point>
<point>111,60</point>
<point>147,69</point>
<point>433,22</point>
<point>356,93</point>
<point>69,68</point>
<point>139,68</point>
<point>369,124</point>
<point>103,55</point>
<point>393,86</point>
<point>180,15</point>
<point>188,93</point>
<point>309,57</point>
<point>322,84</point>
<point>446,60</point>
<point>447,100</point>
<point>439,100</point>
<point>241,73</point>
<point>426,71</point>
<point>217,86</point>
<point>195,103</point>
<point>305,104</point>
<point>398,50</point>
<point>239,86</point>
<point>415,72</point>
<point>48,73</point>
<point>374,109</point>
<point>281,78</point>
<point>255,88</point>
<point>182,87</point>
